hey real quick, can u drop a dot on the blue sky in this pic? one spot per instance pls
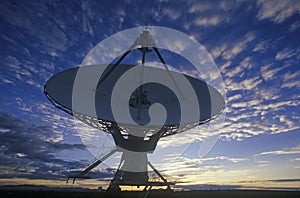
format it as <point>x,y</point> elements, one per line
<point>255,45</point>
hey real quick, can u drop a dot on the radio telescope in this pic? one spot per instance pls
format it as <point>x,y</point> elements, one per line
<point>127,102</point>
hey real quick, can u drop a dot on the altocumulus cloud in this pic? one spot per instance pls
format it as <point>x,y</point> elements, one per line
<point>27,150</point>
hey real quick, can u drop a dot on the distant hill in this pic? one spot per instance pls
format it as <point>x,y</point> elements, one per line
<point>43,188</point>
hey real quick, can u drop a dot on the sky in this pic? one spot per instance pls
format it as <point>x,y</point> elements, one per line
<point>255,45</point>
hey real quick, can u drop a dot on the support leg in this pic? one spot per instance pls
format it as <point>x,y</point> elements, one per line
<point>90,167</point>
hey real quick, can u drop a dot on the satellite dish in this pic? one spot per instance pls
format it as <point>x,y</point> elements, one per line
<point>59,90</point>
<point>128,103</point>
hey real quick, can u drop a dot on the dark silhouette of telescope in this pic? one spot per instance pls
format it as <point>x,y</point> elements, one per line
<point>137,135</point>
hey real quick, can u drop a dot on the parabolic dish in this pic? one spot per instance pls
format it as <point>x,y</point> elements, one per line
<point>60,87</point>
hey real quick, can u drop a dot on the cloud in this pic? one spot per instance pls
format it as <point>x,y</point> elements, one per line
<point>288,151</point>
<point>195,171</point>
<point>5,80</point>
<point>291,80</point>
<point>276,106</point>
<point>286,53</point>
<point>28,17</point>
<point>276,10</point>
<point>173,12</point>
<point>238,136</point>
<point>218,50</point>
<point>187,165</point>
<point>245,64</point>
<point>291,84</point>
<point>28,150</point>
<point>260,47</point>
<point>208,20</point>
<point>269,93</point>
<point>248,104</point>
<point>212,13</point>
<point>224,158</point>
<point>247,84</point>
<point>238,47</point>
<point>217,6</point>
<point>284,180</point>
<point>268,73</point>
<point>285,121</point>
<point>26,72</point>
<point>200,7</point>
<point>294,26</point>
<point>234,98</point>
<point>295,159</point>
<point>86,23</point>
<point>263,113</point>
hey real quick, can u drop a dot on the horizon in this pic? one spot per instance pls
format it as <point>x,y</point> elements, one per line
<point>198,187</point>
